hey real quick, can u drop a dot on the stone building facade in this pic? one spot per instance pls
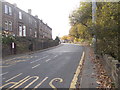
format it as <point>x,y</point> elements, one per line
<point>23,24</point>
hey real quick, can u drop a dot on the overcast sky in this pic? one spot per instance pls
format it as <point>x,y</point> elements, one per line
<point>53,12</point>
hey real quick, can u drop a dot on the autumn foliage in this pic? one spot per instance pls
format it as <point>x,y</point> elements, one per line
<point>106,25</point>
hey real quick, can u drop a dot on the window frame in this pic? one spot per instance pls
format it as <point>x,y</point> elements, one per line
<point>20,30</point>
<point>20,15</point>
<point>10,10</point>
<point>6,24</point>
<point>10,25</point>
<point>35,34</point>
<point>6,9</point>
<point>30,32</point>
<point>24,30</point>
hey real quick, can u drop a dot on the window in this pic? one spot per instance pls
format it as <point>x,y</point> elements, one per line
<point>20,15</point>
<point>35,24</point>
<point>30,20</point>
<point>6,25</point>
<point>35,34</point>
<point>6,9</point>
<point>10,11</point>
<point>24,30</point>
<point>10,26</point>
<point>20,30</point>
<point>30,31</point>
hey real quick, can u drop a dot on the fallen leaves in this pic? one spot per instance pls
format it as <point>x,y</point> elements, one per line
<point>103,80</point>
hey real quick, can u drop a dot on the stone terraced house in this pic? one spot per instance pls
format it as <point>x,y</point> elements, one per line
<point>22,24</point>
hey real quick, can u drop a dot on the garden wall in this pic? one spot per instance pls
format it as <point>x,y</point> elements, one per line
<point>23,45</point>
<point>112,67</point>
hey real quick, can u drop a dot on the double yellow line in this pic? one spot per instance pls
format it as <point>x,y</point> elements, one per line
<point>75,78</point>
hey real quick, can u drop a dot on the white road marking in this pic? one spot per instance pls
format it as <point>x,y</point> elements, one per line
<point>55,56</point>
<point>3,73</point>
<point>47,60</point>
<point>36,66</point>
<point>3,78</point>
<point>13,77</point>
<point>39,59</point>
<point>60,54</point>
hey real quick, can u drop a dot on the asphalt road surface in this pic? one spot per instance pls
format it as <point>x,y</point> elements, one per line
<point>54,68</point>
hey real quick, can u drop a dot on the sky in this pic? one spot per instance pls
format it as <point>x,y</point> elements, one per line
<point>53,12</point>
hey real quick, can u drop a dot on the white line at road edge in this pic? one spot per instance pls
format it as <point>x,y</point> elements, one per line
<point>36,66</point>
<point>75,78</point>
<point>3,73</point>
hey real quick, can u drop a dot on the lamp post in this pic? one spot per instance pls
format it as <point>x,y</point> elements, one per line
<point>94,24</point>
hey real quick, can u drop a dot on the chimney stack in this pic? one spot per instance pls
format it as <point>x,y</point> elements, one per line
<point>36,16</point>
<point>30,11</point>
<point>15,4</point>
<point>2,0</point>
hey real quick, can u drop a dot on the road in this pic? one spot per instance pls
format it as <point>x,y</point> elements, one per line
<point>53,68</point>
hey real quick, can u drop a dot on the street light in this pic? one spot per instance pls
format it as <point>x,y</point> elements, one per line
<point>94,24</point>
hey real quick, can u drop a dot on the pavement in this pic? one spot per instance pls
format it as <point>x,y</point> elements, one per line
<point>88,75</point>
<point>53,68</point>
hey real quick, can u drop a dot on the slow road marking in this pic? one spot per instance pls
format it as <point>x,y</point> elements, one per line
<point>35,79</point>
<point>41,82</point>
<point>13,77</point>
<point>26,80</point>
<point>14,83</point>
<point>55,79</point>
<point>75,78</point>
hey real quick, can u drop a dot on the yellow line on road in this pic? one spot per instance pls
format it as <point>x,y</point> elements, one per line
<point>5,66</point>
<point>14,83</point>
<point>36,78</point>
<point>3,86</point>
<point>19,82</point>
<point>75,78</point>
<point>41,82</point>
<point>55,79</point>
<point>13,77</point>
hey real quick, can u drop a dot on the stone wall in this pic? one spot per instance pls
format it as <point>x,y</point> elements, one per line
<point>0,40</point>
<point>112,67</point>
<point>23,45</point>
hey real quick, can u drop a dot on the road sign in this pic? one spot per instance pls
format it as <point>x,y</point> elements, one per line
<point>13,45</point>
